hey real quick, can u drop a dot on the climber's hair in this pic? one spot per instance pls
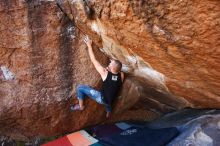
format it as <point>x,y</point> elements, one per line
<point>118,65</point>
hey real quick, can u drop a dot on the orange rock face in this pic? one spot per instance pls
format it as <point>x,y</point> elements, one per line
<point>174,45</point>
<point>170,51</point>
<point>42,60</point>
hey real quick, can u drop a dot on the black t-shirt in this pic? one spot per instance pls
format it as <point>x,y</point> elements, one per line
<point>110,87</point>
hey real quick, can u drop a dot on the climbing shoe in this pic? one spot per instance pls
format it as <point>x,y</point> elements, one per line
<point>76,108</point>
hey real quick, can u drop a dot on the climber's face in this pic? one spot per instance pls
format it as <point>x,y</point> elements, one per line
<point>111,65</point>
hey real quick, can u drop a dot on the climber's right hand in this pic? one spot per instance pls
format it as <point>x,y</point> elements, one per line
<point>87,41</point>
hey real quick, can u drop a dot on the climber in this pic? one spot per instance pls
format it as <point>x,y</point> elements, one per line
<point>112,78</point>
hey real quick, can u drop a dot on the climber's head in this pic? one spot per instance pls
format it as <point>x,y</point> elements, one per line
<point>115,66</point>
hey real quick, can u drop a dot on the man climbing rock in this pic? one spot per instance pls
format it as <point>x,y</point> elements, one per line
<point>112,78</point>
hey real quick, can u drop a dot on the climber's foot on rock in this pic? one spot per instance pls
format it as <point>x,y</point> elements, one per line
<point>76,107</point>
<point>108,114</point>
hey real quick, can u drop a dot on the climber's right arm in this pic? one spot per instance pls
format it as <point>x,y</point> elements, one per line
<point>101,70</point>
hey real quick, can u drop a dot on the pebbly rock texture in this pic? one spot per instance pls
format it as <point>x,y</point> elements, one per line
<point>42,60</point>
<point>169,50</point>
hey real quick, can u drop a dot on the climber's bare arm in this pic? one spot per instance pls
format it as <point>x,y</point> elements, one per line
<point>122,76</point>
<point>101,70</point>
